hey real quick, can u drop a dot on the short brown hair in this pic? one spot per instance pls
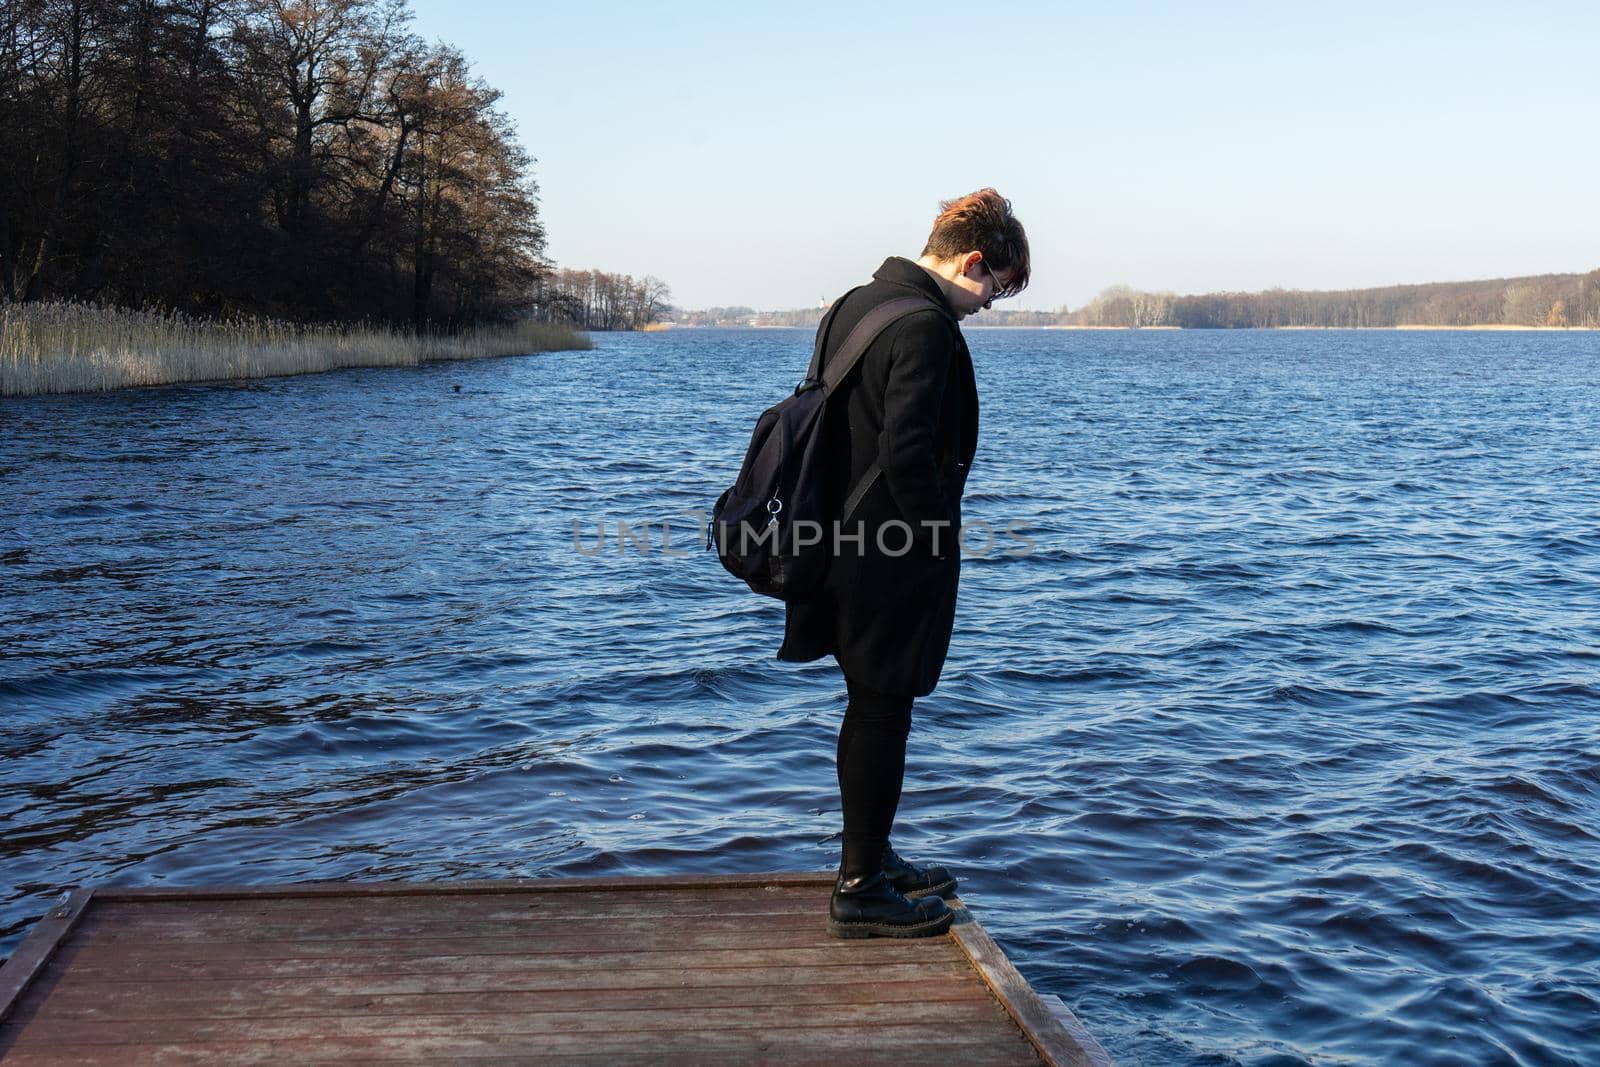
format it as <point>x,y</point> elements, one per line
<point>982,221</point>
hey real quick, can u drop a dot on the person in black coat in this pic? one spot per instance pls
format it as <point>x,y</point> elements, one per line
<point>887,607</point>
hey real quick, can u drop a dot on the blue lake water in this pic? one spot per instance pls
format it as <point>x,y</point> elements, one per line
<point>1280,746</point>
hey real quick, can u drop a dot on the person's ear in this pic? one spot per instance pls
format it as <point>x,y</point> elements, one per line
<point>970,260</point>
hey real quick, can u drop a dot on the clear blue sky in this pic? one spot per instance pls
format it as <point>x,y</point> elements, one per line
<point>770,155</point>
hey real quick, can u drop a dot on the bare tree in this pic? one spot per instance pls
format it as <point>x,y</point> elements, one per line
<point>595,300</point>
<point>299,158</point>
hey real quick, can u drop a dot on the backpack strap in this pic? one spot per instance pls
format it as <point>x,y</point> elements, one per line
<point>824,328</point>
<point>868,476</point>
<point>855,346</point>
<point>866,332</point>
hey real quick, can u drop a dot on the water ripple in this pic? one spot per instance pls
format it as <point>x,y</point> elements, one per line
<point>1280,746</point>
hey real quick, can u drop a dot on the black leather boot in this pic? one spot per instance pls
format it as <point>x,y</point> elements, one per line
<point>917,882</point>
<point>870,906</point>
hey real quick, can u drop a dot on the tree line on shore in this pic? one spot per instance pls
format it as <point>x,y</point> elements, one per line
<point>596,300</point>
<point>1551,300</point>
<point>1547,300</point>
<point>310,160</point>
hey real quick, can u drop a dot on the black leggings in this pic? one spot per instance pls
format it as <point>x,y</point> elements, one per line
<point>872,765</point>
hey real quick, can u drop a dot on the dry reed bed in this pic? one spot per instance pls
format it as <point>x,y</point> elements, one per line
<point>74,348</point>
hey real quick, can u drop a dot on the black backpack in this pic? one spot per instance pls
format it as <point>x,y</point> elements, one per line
<point>769,528</point>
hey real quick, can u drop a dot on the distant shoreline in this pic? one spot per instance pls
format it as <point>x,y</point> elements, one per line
<point>1539,301</point>
<point>1228,329</point>
<point>669,327</point>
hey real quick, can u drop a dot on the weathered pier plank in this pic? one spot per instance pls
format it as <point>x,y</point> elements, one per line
<point>738,969</point>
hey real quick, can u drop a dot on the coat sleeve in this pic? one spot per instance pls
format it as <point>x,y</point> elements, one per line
<point>920,356</point>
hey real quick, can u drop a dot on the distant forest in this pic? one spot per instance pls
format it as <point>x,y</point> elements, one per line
<point>1553,300</point>
<point>308,160</point>
<point>1556,300</point>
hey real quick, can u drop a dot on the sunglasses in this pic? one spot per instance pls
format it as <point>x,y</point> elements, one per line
<point>996,290</point>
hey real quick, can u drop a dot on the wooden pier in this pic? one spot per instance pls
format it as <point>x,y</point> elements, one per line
<point>725,970</point>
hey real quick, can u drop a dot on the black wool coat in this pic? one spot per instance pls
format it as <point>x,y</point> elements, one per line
<point>912,404</point>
